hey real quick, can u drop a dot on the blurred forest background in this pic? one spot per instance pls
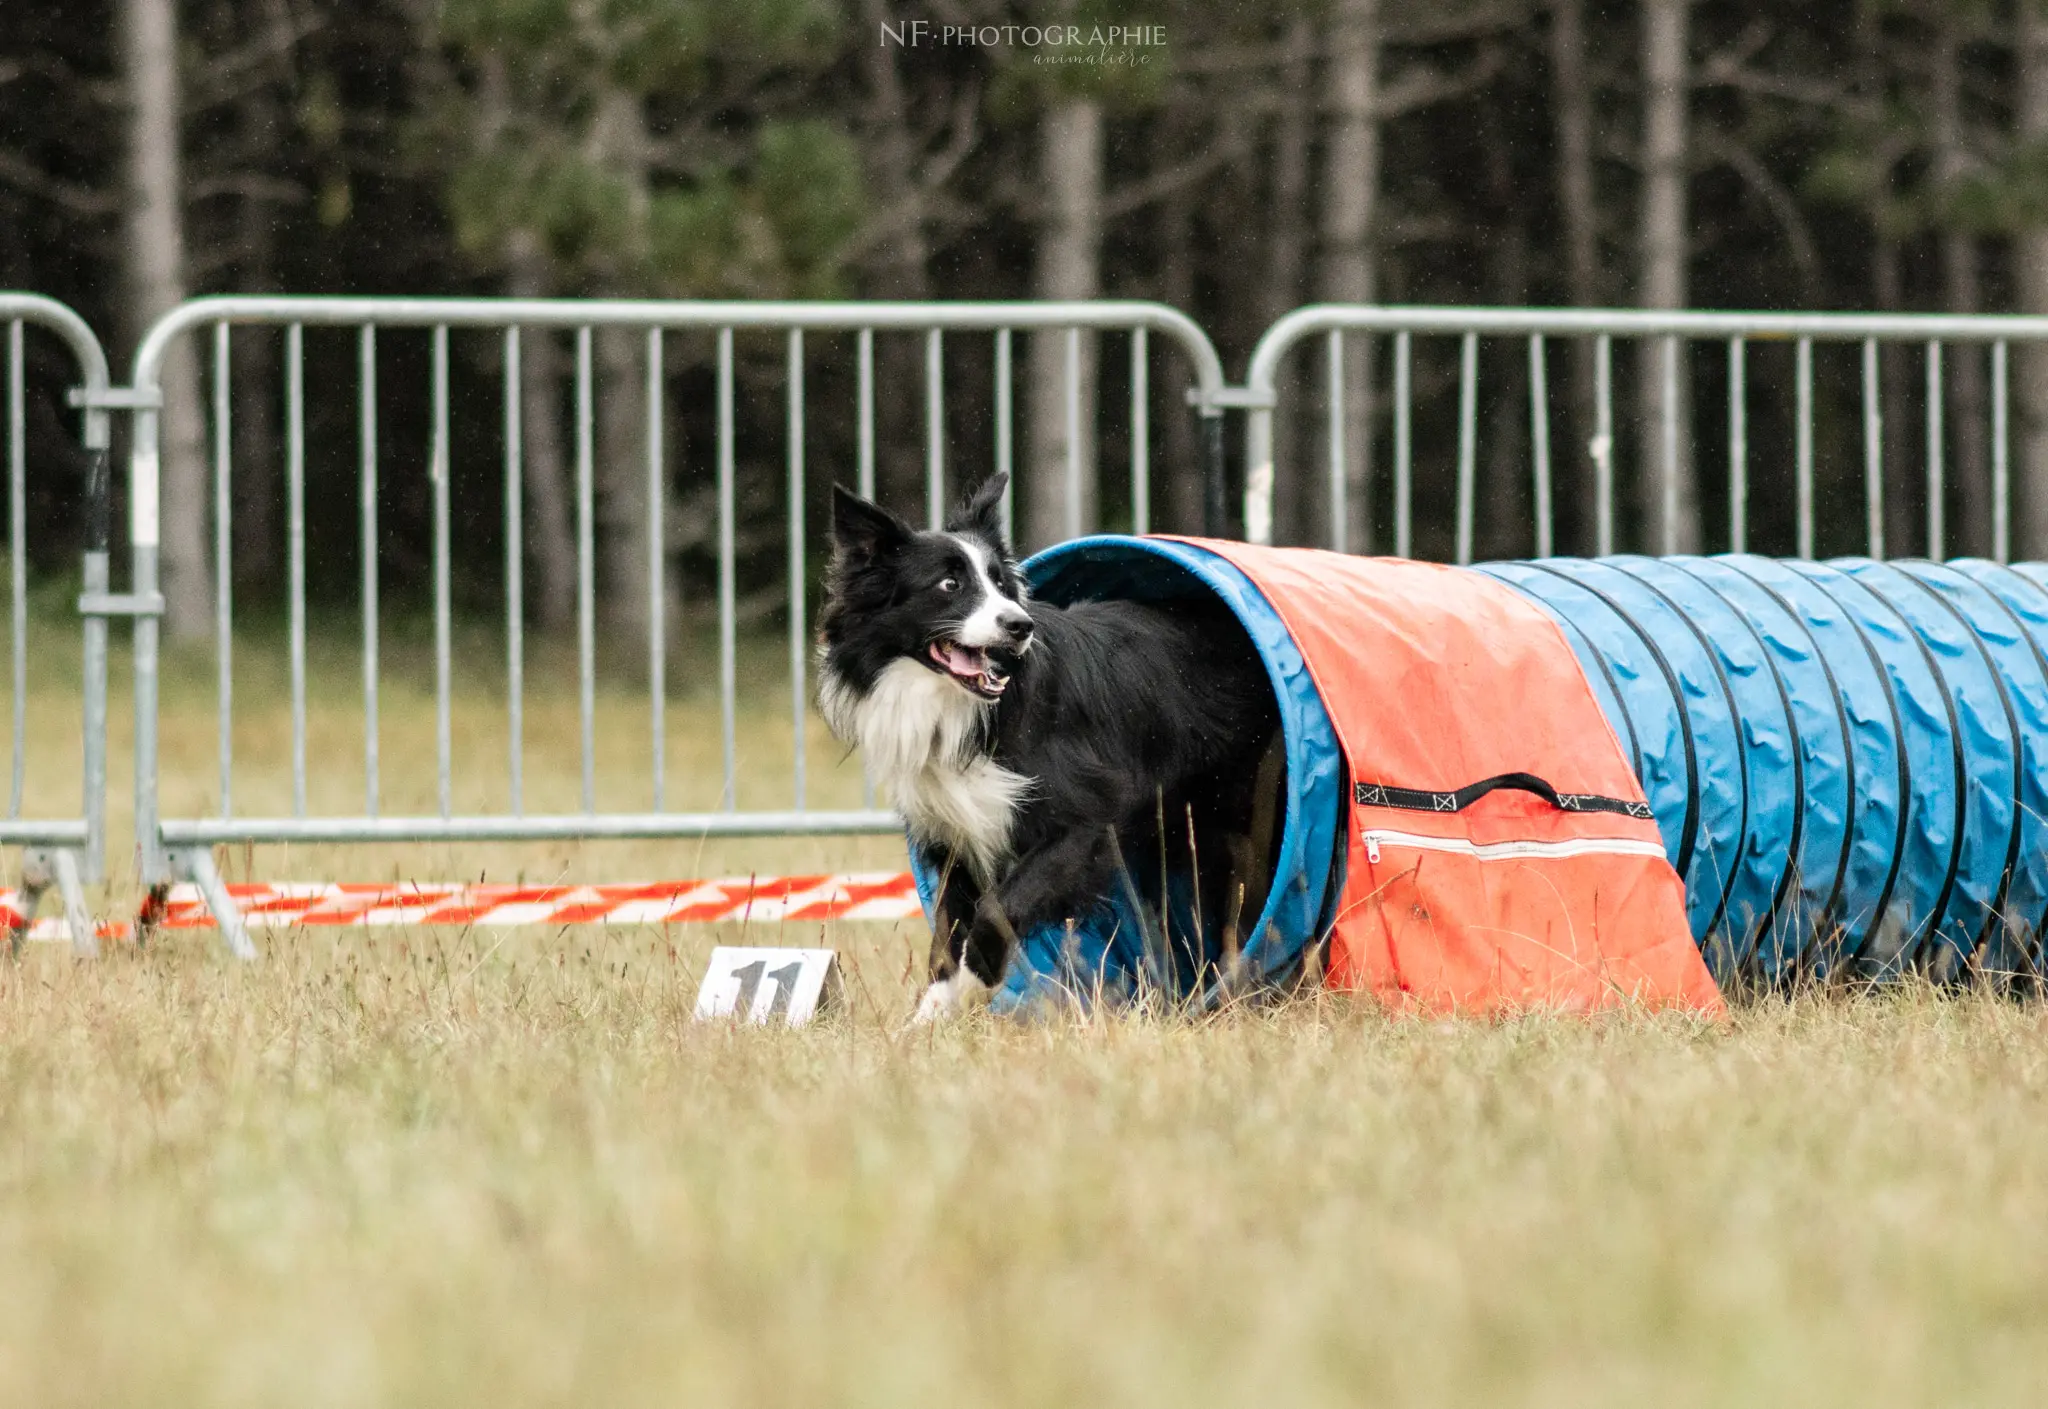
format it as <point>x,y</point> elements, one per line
<point>1826,154</point>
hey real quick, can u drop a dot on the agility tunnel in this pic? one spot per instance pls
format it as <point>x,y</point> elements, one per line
<point>1576,782</point>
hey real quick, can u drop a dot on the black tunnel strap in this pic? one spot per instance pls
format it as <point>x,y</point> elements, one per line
<point>1430,800</point>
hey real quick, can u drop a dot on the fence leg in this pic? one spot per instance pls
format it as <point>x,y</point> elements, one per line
<point>196,863</point>
<point>36,875</point>
<point>40,869</point>
<point>85,937</point>
<point>1215,489</point>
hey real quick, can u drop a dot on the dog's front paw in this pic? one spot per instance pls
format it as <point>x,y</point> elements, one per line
<point>949,996</point>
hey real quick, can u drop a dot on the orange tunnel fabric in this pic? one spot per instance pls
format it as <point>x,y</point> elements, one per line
<point>1463,899</point>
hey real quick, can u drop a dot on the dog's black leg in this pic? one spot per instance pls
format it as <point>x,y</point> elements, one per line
<point>953,984</point>
<point>990,941</point>
<point>1058,881</point>
<point>958,898</point>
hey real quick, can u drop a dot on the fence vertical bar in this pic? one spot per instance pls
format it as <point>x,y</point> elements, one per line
<point>1333,365</point>
<point>1404,448</point>
<point>1539,441</point>
<point>1215,488</point>
<point>864,469</point>
<point>95,572</point>
<point>2001,459</point>
<point>1667,367</point>
<point>1603,445</point>
<point>1006,434</point>
<point>1802,467</point>
<point>1258,477</point>
<point>223,571</point>
<point>144,570</point>
<point>366,494</point>
<point>798,687</point>
<point>1873,451</point>
<point>515,574</point>
<point>934,429</point>
<point>657,576</point>
<point>727,667</point>
<point>1141,432</point>
<point>444,668</point>
<point>17,550</point>
<point>1738,447</point>
<point>295,500</point>
<point>1937,488</point>
<point>1073,397</point>
<point>865,461</point>
<point>586,573</point>
<point>1468,442</point>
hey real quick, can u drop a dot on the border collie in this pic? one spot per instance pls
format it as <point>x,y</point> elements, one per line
<point>1028,747</point>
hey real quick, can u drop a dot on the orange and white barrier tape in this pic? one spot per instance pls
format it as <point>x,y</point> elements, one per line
<point>872,895</point>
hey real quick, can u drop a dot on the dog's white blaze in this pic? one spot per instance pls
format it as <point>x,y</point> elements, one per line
<point>984,625</point>
<point>918,732</point>
<point>951,995</point>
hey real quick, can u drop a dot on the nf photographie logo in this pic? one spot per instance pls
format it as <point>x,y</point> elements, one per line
<point>1047,43</point>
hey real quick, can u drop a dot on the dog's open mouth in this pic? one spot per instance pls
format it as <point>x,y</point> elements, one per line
<point>972,666</point>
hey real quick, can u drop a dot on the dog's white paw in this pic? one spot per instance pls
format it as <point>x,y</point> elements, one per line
<point>949,996</point>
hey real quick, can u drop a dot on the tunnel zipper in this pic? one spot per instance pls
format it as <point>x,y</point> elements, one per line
<point>1510,850</point>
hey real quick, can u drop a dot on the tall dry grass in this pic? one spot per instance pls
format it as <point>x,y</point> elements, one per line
<point>463,1168</point>
<point>414,1169</point>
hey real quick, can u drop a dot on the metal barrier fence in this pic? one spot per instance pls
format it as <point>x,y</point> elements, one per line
<point>182,844</point>
<point>1672,333</point>
<point>65,851</point>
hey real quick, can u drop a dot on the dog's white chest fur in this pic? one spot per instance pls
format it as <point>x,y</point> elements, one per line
<point>919,733</point>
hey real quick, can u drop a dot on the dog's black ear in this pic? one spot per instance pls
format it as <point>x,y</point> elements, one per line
<point>863,531</point>
<point>982,511</point>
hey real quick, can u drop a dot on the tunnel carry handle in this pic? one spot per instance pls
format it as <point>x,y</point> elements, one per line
<point>1429,800</point>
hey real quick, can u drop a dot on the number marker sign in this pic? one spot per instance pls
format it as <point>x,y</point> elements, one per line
<point>766,985</point>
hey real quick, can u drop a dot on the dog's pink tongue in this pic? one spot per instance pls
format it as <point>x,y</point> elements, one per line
<point>962,661</point>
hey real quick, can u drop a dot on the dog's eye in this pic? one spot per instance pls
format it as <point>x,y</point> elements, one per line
<point>950,585</point>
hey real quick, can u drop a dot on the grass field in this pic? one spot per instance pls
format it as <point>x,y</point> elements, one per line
<point>437,1168</point>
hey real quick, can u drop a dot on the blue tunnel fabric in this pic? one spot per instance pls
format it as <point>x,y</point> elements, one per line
<point>1107,951</point>
<point>1848,761</point>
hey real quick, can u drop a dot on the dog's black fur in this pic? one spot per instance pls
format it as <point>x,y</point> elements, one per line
<point>1109,715</point>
